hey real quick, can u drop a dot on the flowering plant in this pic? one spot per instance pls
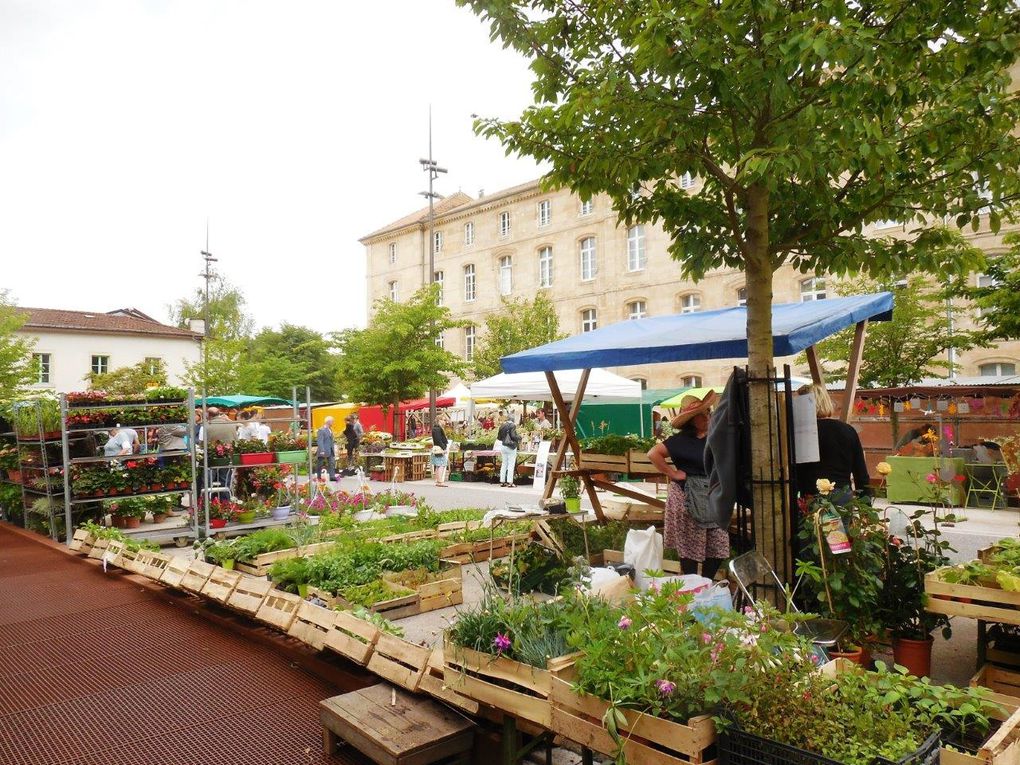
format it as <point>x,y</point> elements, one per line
<point>221,449</point>
<point>286,442</point>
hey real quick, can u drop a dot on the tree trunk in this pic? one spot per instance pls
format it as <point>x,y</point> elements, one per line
<point>770,531</point>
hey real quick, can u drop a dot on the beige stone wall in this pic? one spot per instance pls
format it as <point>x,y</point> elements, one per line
<point>615,287</point>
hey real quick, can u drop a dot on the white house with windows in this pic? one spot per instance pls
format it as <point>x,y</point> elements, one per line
<point>68,345</point>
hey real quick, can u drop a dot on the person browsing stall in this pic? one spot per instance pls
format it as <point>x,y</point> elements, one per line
<point>840,454</point>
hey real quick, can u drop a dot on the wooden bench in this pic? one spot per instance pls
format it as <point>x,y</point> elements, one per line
<point>411,731</point>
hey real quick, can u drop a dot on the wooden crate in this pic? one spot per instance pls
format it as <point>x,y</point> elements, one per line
<point>619,508</point>
<point>973,601</point>
<point>127,559</point>
<point>478,552</point>
<point>260,564</point>
<point>504,684</point>
<point>1003,683</point>
<point>434,684</point>
<point>196,576</point>
<point>98,548</point>
<point>312,624</point>
<point>640,464</point>
<point>400,662</point>
<point>446,588</point>
<point>1001,748</point>
<point>113,551</point>
<point>279,609</point>
<point>249,593</point>
<point>646,739</point>
<point>606,463</point>
<point>220,584</point>
<point>351,637</point>
<point>175,570</point>
<point>82,541</point>
<point>153,564</point>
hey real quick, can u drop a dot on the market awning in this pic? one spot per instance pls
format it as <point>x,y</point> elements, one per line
<point>719,334</point>
<point>239,401</point>
<point>423,403</point>
<point>533,386</point>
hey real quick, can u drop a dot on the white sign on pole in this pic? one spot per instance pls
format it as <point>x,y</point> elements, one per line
<point>541,461</point>
<point>805,428</point>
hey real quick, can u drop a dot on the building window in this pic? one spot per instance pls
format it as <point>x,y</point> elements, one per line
<point>437,277</point>
<point>100,365</point>
<point>153,364</point>
<point>690,303</point>
<point>440,341</point>
<point>742,296</point>
<point>589,267</point>
<point>587,207</point>
<point>393,253</point>
<point>469,342</point>
<point>636,309</point>
<point>469,234</point>
<point>642,381</point>
<point>437,242</point>
<point>984,280</point>
<point>544,212</point>
<point>812,289</point>
<point>506,275</point>
<point>589,320</point>
<point>545,267</point>
<point>504,225</point>
<point>997,369</point>
<point>691,381</point>
<point>42,368</point>
<point>636,257</point>
<point>469,283</point>
<point>686,181</point>
<point>393,291</point>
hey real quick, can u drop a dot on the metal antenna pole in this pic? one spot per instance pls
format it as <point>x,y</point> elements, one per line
<point>207,275</point>
<point>433,169</point>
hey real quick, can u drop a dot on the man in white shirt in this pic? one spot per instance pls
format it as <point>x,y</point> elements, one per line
<point>122,441</point>
<point>541,422</point>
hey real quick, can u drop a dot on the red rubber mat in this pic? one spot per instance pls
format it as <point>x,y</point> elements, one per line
<point>96,669</point>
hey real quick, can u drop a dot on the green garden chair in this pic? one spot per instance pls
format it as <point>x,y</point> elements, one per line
<point>984,481</point>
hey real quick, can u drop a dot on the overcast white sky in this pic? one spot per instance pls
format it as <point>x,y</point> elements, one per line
<point>295,127</point>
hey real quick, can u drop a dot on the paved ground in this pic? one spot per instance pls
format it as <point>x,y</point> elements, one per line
<point>98,669</point>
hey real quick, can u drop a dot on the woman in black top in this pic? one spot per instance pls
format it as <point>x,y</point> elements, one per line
<point>695,542</point>
<point>439,444</point>
<point>841,456</point>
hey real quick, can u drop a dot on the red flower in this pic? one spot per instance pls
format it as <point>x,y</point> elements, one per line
<point>131,464</point>
<point>959,478</point>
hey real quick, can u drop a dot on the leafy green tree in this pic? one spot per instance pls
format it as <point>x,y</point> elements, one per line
<point>804,121</point>
<point>228,319</point>
<point>127,380</point>
<point>905,349</point>
<point>520,324</point>
<point>396,357</point>
<point>294,355</point>
<point>999,297</point>
<point>17,366</point>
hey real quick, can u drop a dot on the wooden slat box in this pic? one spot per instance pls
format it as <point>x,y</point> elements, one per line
<point>640,464</point>
<point>260,564</point>
<point>352,637</point>
<point>82,541</point>
<point>279,609</point>
<point>607,463</point>
<point>175,570</point>
<point>196,576</point>
<point>434,684</point>
<point>988,603</point>
<point>400,662</point>
<point>312,624</point>
<point>153,564</point>
<point>220,584</point>
<point>1003,683</point>
<point>98,548</point>
<point>1001,748</point>
<point>249,593</point>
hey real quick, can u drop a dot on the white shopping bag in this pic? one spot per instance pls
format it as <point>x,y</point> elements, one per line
<point>643,550</point>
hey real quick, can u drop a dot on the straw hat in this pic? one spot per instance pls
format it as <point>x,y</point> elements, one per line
<point>691,406</point>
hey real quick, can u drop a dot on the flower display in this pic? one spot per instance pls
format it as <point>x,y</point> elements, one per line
<point>624,623</point>
<point>501,643</point>
<point>824,486</point>
<point>665,687</point>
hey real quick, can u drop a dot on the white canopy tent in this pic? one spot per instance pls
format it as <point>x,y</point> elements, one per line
<point>534,386</point>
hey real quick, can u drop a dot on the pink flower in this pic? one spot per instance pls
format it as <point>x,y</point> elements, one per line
<point>815,659</point>
<point>931,478</point>
<point>624,623</point>
<point>665,687</point>
<point>501,642</point>
<point>706,638</point>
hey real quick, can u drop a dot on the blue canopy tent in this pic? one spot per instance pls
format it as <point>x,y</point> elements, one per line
<point>718,334</point>
<point>240,401</point>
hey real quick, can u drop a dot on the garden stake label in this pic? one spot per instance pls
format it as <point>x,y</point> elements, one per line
<point>835,534</point>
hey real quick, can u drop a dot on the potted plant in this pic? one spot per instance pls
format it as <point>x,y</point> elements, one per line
<point>842,562</point>
<point>281,510</point>
<point>289,449</point>
<point>903,599</point>
<point>222,553</point>
<point>570,490</point>
<point>250,509</point>
<point>127,513</point>
<point>160,508</point>
<point>221,512</point>
<point>253,451</point>
<point>221,453</point>
<point>291,574</point>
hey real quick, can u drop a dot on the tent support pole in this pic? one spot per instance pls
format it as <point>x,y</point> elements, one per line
<point>817,373</point>
<point>853,371</point>
<point>561,450</point>
<point>569,435</point>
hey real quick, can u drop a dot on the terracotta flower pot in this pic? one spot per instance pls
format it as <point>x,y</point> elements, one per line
<point>132,522</point>
<point>856,656</point>
<point>118,521</point>
<point>158,517</point>
<point>915,655</point>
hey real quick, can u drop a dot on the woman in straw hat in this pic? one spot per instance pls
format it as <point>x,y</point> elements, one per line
<point>697,541</point>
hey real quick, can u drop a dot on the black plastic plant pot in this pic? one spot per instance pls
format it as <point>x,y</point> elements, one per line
<point>738,747</point>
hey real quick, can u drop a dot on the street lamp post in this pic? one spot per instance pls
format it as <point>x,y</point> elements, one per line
<point>433,169</point>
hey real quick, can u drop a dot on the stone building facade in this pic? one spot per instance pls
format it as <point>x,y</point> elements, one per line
<point>522,241</point>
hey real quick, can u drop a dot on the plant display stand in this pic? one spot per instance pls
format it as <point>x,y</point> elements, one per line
<point>40,463</point>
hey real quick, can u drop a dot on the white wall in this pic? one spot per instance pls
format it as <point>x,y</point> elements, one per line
<point>71,355</point>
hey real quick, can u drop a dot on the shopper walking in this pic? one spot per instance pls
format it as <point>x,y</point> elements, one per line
<point>351,439</point>
<point>440,443</point>
<point>326,449</point>
<point>509,440</point>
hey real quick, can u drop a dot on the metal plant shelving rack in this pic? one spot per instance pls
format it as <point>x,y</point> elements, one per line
<point>47,465</point>
<point>8,438</point>
<point>70,433</point>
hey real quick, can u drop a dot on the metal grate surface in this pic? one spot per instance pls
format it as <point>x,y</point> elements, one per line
<point>97,669</point>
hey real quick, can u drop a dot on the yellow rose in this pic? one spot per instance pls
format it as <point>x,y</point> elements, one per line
<point>883,468</point>
<point>824,486</point>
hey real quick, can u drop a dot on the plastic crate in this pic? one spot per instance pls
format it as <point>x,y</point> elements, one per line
<point>737,747</point>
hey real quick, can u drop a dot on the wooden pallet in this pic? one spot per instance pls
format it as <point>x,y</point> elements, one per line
<point>82,541</point>
<point>1004,685</point>
<point>279,609</point>
<point>606,463</point>
<point>260,564</point>
<point>352,637</point>
<point>249,594</point>
<point>973,601</point>
<point>312,624</point>
<point>196,576</point>
<point>220,584</point>
<point>504,684</point>
<point>646,739</point>
<point>175,570</point>
<point>400,662</point>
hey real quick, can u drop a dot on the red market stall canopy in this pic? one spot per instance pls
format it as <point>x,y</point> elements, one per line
<point>418,404</point>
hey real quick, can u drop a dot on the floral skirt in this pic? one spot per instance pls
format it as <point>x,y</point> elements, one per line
<point>686,537</point>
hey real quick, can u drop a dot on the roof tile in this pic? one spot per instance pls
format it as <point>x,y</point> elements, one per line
<point>126,321</point>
